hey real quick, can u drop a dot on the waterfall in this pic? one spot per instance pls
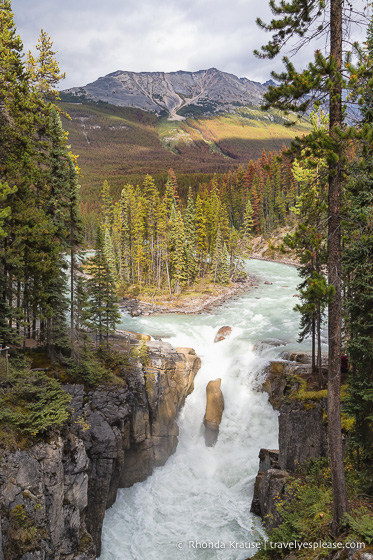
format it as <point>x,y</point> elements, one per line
<point>197,506</point>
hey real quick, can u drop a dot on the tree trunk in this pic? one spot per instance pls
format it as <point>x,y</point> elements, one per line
<point>340,504</point>
<point>168,276</point>
<point>72,272</point>
<point>313,327</point>
<point>319,366</point>
<point>18,306</point>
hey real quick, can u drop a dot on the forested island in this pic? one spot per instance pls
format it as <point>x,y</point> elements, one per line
<point>65,266</point>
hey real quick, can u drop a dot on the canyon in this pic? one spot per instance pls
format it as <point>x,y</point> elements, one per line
<point>54,494</point>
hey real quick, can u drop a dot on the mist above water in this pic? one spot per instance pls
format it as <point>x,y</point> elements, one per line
<point>203,495</point>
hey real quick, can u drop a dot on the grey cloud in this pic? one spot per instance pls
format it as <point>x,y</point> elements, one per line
<point>94,38</point>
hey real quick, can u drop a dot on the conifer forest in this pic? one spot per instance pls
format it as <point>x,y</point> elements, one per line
<point>69,260</point>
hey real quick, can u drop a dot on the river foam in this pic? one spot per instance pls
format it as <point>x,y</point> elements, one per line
<point>198,505</point>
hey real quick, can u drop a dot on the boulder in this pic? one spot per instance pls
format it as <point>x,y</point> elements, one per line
<point>222,333</point>
<point>136,312</point>
<point>214,412</point>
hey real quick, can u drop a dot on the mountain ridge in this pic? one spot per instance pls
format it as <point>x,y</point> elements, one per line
<point>177,94</point>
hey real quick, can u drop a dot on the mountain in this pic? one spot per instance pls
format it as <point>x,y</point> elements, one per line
<point>175,94</point>
<point>128,124</point>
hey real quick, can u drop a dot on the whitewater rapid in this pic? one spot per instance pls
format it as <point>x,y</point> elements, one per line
<point>203,495</point>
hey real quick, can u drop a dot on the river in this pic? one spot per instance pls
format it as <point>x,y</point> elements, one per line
<point>203,495</point>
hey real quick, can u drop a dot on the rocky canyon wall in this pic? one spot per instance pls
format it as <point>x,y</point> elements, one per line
<point>53,495</point>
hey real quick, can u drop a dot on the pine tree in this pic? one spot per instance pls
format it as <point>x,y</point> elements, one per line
<point>172,181</point>
<point>315,295</point>
<point>324,76</point>
<point>16,124</point>
<point>163,243</point>
<point>82,308</point>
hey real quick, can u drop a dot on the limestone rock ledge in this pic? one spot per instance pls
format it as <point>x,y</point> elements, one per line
<point>302,433</point>
<point>53,495</point>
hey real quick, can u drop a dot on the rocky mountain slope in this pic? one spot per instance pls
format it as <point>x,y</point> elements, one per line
<point>178,94</point>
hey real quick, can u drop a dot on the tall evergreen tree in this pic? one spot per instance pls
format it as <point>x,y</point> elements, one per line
<point>179,255</point>
<point>102,305</point>
<point>358,279</point>
<point>323,76</point>
<point>248,223</point>
<point>44,70</point>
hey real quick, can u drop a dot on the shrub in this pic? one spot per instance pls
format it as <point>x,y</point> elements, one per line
<point>141,353</point>
<point>31,402</point>
<point>89,369</point>
<point>361,523</point>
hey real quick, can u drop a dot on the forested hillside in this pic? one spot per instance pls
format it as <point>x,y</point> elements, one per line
<point>172,237</point>
<point>122,144</point>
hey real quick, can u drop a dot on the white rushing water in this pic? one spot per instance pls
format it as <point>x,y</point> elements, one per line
<point>203,495</point>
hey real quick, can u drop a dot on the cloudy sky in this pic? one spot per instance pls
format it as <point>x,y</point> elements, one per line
<point>96,37</point>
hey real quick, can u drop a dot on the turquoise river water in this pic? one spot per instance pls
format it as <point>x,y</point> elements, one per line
<point>197,507</point>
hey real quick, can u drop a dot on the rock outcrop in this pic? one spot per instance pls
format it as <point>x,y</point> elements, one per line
<point>210,90</point>
<point>222,333</point>
<point>269,486</point>
<point>53,495</point>
<point>302,432</point>
<point>283,377</point>
<point>214,411</point>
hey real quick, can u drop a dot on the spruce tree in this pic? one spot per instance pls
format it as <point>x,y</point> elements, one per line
<point>225,266</point>
<point>217,259</point>
<point>102,306</point>
<point>190,236</point>
<point>125,240</point>
<point>201,235</point>
<point>107,203</point>
<point>179,255</point>
<point>358,278</point>
<point>109,253</point>
<point>44,70</point>
<point>309,242</point>
<point>248,223</point>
